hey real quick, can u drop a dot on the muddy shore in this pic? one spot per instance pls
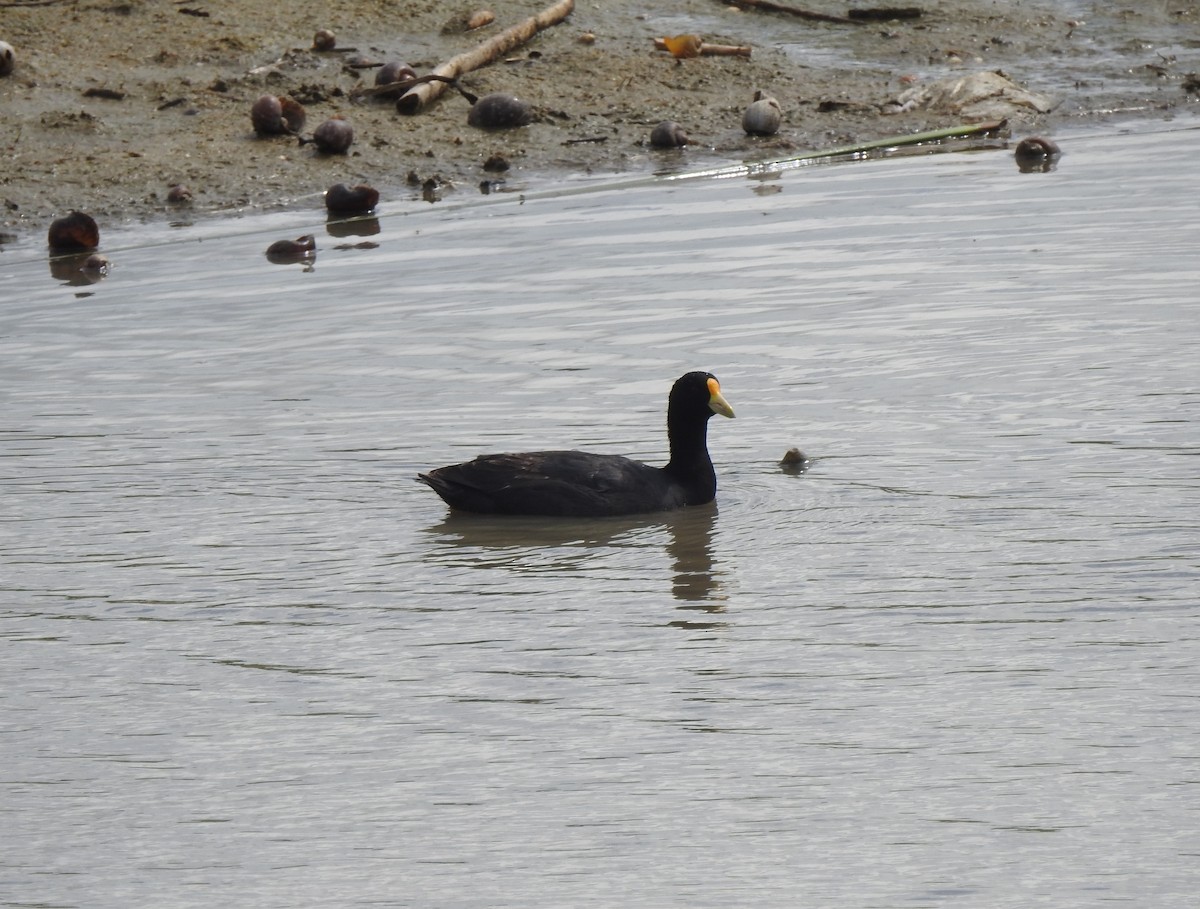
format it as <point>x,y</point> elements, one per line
<point>110,102</point>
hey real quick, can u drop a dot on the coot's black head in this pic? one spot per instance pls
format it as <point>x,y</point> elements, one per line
<point>697,394</point>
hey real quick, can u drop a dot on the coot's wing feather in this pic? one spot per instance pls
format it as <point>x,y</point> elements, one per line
<point>551,483</point>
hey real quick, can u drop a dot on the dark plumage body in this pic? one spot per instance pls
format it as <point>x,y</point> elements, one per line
<point>583,484</point>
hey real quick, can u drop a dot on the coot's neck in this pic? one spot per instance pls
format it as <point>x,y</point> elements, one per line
<point>690,463</point>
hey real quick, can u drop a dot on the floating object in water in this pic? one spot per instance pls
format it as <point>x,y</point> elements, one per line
<point>334,136</point>
<point>794,461</point>
<point>285,252</point>
<point>763,117</point>
<point>581,484</point>
<point>1036,153</point>
<point>8,58</point>
<point>350,200</point>
<point>499,111</point>
<point>75,232</point>
<point>277,115</point>
<point>95,264</point>
<point>668,134</point>
<point>324,40</point>
<point>179,194</point>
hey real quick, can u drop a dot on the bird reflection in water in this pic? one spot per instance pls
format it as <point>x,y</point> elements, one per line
<point>522,544</point>
<point>697,583</point>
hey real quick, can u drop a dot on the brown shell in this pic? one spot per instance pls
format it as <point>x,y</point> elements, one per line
<point>499,111</point>
<point>96,263</point>
<point>334,136</point>
<point>349,200</point>
<point>298,250</point>
<point>794,460</point>
<point>324,40</point>
<point>276,115</point>
<point>763,117</point>
<point>73,232</point>
<point>394,71</point>
<point>1035,148</point>
<point>668,134</point>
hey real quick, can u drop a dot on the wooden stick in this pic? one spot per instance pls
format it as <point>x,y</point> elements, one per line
<point>793,11</point>
<point>415,99</point>
<point>712,50</point>
<point>724,50</point>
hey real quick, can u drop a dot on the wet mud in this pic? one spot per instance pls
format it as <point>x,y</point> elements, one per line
<point>111,103</point>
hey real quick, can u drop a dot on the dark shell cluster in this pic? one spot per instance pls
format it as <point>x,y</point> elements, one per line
<point>279,115</point>
<point>73,239</point>
<point>275,115</point>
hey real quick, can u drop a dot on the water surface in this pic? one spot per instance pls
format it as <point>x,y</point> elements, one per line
<point>247,660</point>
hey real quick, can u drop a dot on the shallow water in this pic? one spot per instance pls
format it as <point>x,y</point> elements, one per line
<point>246,659</point>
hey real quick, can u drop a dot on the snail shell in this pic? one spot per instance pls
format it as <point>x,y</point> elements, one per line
<point>179,194</point>
<point>273,116</point>
<point>73,232</point>
<point>499,111</point>
<point>395,71</point>
<point>668,134</point>
<point>8,58</point>
<point>284,252</point>
<point>349,200</point>
<point>1035,149</point>
<point>763,117</point>
<point>334,136</point>
<point>324,40</point>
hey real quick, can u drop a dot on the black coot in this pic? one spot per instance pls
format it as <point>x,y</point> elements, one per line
<point>580,484</point>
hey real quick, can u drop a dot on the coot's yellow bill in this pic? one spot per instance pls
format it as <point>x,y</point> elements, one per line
<point>716,400</point>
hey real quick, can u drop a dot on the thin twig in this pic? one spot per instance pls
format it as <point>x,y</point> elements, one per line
<point>398,88</point>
